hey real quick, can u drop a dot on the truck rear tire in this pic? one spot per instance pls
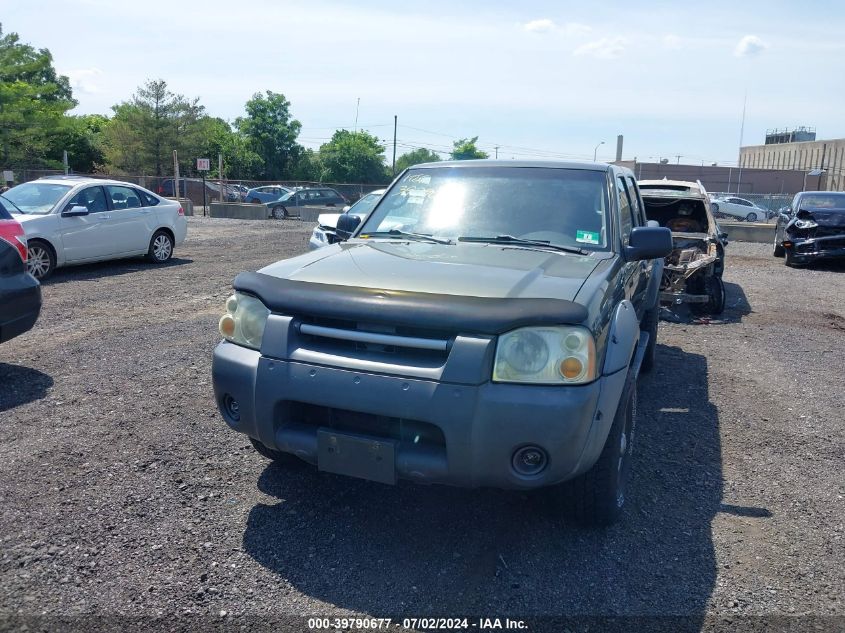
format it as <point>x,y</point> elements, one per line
<point>597,497</point>
<point>714,287</point>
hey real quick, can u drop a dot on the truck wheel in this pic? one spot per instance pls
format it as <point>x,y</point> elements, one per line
<point>277,456</point>
<point>714,288</point>
<point>597,497</point>
<point>649,325</point>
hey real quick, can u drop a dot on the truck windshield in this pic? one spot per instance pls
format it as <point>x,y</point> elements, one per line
<point>564,207</point>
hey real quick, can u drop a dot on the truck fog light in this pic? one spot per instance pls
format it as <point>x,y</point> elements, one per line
<point>232,408</point>
<point>529,460</point>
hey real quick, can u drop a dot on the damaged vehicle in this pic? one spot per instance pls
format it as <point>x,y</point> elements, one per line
<point>811,228</point>
<point>484,326</point>
<point>325,232</point>
<point>692,273</point>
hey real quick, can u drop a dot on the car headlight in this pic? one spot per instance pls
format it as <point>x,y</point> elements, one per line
<point>546,355</point>
<point>805,224</point>
<point>318,235</point>
<point>244,320</point>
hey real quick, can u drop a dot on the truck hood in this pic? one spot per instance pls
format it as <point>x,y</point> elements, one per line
<point>476,270</point>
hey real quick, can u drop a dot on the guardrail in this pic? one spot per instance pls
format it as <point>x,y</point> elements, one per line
<point>749,231</point>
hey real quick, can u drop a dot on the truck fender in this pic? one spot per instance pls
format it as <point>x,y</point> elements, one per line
<point>623,338</point>
<point>652,292</point>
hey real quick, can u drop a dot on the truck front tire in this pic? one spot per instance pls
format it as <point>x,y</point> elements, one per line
<point>597,497</point>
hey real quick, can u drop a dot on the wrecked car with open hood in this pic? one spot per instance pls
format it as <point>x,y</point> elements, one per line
<point>692,273</point>
<point>811,228</point>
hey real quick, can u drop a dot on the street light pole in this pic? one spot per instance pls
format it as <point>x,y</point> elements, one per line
<point>596,151</point>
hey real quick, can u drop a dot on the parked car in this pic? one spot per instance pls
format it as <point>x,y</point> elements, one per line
<point>739,208</point>
<point>192,188</point>
<point>268,193</point>
<point>324,233</point>
<point>290,203</point>
<point>77,220</point>
<point>693,270</point>
<point>20,293</point>
<point>484,326</point>
<point>811,228</point>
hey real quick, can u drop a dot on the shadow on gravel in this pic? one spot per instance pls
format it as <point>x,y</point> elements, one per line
<point>110,268</point>
<point>736,307</point>
<point>438,551</point>
<point>19,385</point>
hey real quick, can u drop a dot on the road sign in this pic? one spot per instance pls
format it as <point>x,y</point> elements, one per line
<point>203,164</point>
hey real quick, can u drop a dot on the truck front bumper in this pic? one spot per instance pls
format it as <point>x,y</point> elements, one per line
<point>469,433</point>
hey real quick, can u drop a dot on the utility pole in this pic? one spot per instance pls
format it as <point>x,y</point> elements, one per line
<point>678,156</point>
<point>741,134</point>
<point>497,151</point>
<point>64,161</point>
<point>357,105</point>
<point>220,174</point>
<point>395,120</point>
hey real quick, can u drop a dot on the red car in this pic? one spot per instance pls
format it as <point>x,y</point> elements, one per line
<point>20,293</point>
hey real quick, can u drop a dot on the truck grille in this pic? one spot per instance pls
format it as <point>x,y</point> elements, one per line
<point>392,344</point>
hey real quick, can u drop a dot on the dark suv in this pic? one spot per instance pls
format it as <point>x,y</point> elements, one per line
<point>289,204</point>
<point>484,326</point>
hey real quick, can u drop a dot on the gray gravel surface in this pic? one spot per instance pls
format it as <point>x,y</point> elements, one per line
<point>124,494</point>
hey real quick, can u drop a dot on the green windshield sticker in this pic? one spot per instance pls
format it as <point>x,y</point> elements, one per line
<point>587,237</point>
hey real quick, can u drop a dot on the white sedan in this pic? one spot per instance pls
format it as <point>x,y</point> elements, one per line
<point>325,231</point>
<point>739,208</point>
<point>77,220</point>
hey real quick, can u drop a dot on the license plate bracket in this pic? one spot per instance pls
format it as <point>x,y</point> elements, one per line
<point>355,456</point>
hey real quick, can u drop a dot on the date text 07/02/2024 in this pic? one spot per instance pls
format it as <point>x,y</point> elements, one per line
<point>444,624</point>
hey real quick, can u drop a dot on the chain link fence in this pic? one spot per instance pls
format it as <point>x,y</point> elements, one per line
<point>734,207</point>
<point>215,190</point>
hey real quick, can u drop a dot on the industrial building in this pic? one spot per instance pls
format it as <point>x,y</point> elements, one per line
<point>798,149</point>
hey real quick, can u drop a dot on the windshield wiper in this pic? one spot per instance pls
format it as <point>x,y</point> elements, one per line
<point>13,204</point>
<point>518,241</point>
<point>407,235</point>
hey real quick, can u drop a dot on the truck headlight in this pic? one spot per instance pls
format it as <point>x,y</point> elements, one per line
<point>244,320</point>
<point>546,355</point>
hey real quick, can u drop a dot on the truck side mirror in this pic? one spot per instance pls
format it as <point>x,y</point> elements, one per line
<point>347,225</point>
<point>648,242</point>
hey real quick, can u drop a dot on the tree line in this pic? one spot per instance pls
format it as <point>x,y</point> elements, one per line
<point>139,135</point>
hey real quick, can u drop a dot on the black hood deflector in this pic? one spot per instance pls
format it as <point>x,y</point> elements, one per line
<point>483,315</point>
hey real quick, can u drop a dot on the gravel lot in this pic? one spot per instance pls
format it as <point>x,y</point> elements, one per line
<point>123,493</point>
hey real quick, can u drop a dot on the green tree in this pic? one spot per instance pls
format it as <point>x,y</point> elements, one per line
<point>82,137</point>
<point>33,102</point>
<point>308,167</point>
<point>144,131</point>
<point>415,157</point>
<point>465,149</point>
<point>239,160</point>
<point>272,133</point>
<point>353,157</point>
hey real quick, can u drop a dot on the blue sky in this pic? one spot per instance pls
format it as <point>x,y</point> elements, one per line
<point>537,79</point>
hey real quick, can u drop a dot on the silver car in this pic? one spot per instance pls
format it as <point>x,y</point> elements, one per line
<point>77,220</point>
<point>739,208</point>
<point>324,233</point>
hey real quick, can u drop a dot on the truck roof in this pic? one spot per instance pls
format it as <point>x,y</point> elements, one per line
<point>548,164</point>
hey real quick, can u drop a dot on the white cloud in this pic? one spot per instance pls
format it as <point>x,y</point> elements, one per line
<point>543,25</point>
<point>750,46</point>
<point>84,79</point>
<point>576,29</point>
<point>605,48</point>
<point>672,42</point>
